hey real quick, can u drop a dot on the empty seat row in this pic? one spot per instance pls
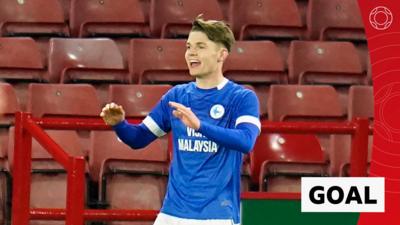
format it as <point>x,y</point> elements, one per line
<point>277,162</point>
<point>124,178</point>
<point>82,100</point>
<point>47,100</point>
<point>333,20</point>
<point>137,179</point>
<point>162,61</point>
<point>284,149</point>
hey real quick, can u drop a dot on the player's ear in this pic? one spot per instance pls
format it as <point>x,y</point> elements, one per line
<point>223,54</point>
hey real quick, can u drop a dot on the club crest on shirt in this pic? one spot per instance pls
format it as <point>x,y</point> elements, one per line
<point>217,111</point>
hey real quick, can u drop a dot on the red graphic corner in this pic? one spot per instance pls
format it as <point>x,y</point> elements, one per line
<point>382,26</point>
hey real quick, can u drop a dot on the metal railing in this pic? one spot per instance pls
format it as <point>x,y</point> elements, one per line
<point>75,213</point>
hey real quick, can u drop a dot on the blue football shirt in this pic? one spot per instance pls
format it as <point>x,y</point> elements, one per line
<point>204,178</point>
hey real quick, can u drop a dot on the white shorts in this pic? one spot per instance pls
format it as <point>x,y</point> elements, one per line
<point>164,219</point>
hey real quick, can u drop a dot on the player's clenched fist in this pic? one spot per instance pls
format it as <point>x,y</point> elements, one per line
<point>112,114</point>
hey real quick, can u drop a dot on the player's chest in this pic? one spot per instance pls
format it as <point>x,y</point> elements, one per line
<point>210,109</point>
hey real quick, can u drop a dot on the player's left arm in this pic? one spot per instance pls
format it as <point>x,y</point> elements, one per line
<point>241,138</point>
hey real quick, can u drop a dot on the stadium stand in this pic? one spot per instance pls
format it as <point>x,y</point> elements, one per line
<point>49,100</point>
<point>158,61</point>
<point>8,106</point>
<point>278,161</point>
<point>128,179</point>
<point>316,62</point>
<point>32,18</point>
<point>361,102</point>
<point>173,18</point>
<point>21,59</point>
<point>108,18</point>
<point>340,157</point>
<point>307,60</point>
<point>266,65</point>
<point>65,100</point>
<point>300,103</point>
<point>48,178</point>
<point>86,60</point>
<point>266,19</point>
<point>137,100</point>
<point>335,20</point>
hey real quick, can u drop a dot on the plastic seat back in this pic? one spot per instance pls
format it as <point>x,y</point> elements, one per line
<point>86,60</point>
<point>108,18</point>
<point>173,19</point>
<point>266,19</point>
<point>32,18</point>
<point>335,63</point>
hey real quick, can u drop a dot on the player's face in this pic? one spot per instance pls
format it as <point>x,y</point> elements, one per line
<point>201,55</point>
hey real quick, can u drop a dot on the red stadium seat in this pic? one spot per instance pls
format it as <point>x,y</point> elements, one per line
<point>5,198</point>
<point>306,103</point>
<point>265,19</point>
<point>335,20</point>
<point>361,102</point>
<point>47,100</point>
<point>255,62</point>
<point>262,92</point>
<point>245,174</point>
<point>64,100</point>
<point>8,104</point>
<point>158,61</point>
<point>286,176</point>
<point>21,59</point>
<point>316,62</point>
<point>363,52</point>
<point>302,5</point>
<point>134,179</point>
<point>86,60</point>
<point>37,18</point>
<point>108,18</point>
<point>225,4</point>
<point>284,151</point>
<point>137,100</point>
<point>303,102</point>
<point>68,140</point>
<point>340,155</point>
<point>48,178</point>
<point>173,19</point>
<point>3,148</point>
<point>262,95</point>
<point>66,6</point>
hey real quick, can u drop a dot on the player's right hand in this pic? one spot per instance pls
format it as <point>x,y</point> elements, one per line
<point>112,114</point>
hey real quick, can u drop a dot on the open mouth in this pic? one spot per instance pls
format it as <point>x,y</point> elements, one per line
<point>194,63</point>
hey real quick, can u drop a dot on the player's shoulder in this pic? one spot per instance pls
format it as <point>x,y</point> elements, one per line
<point>181,88</point>
<point>241,91</point>
<point>178,90</point>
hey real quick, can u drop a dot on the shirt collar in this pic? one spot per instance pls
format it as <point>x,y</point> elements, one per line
<point>222,84</point>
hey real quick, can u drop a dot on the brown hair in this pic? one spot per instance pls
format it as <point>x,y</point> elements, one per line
<point>216,31</point>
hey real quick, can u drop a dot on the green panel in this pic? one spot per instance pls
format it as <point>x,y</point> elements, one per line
<point>288,212</point>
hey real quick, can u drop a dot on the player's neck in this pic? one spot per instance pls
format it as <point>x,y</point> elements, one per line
<point>208,82</point>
